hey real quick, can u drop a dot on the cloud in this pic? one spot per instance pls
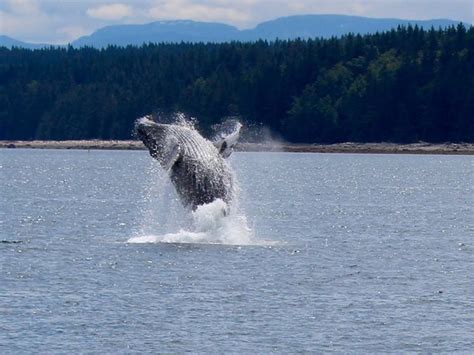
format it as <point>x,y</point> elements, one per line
<point>22,17</point>
<point>23,7</point>
<point>34,21</point>
<point>202,11</point>
<point>110,12</point>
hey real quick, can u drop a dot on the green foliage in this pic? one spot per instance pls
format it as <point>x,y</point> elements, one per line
<point>404,85</point>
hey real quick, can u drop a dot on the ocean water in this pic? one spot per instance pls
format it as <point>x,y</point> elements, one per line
<point>336,252</point>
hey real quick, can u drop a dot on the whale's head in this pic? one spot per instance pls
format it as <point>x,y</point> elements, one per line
<point>159,141</point>
<point>152,134</point>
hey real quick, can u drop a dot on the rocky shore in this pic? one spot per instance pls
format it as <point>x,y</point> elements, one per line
<point>376,148</point>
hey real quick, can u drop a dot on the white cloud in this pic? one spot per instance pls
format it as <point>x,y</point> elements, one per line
<point>194,10</point>
<point>23,7</point>
<point>110,12</point>
<point>22,17</point>
<point>31,21</point>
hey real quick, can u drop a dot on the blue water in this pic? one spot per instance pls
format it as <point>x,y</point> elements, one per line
<point>336,252</point>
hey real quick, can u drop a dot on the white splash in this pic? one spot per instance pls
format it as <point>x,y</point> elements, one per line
<point>209,226</point>
<point>165,220</point>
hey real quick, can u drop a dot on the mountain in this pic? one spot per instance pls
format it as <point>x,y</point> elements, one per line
<point>325,26</point>
<point>9,42</point>
<point>161,31</point>
<point>301,26</point>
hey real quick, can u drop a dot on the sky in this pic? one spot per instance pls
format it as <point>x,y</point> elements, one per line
<point>62,21</point>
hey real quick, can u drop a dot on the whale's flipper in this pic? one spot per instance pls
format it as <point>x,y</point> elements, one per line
<point>225,144</point>
<point>170,152</point>
<point>172,155</point>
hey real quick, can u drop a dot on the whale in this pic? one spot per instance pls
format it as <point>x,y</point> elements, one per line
<point>196,166</point>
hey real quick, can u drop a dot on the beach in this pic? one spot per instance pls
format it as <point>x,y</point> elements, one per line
<point>349,147</point>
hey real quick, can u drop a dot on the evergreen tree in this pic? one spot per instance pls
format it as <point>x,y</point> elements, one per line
<point>404,85</point>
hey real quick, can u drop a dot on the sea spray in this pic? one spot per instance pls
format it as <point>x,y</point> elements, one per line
<point>165,220</point>
<point>207,225</point>
<point>161,211</point>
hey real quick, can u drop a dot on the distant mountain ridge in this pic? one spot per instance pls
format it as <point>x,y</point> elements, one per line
<point>160,31</point>
<point>309,26</point>
<point>299,26</point>
<point>9,42</point>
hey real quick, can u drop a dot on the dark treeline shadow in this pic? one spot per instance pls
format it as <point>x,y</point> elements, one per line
<point>404,85</point>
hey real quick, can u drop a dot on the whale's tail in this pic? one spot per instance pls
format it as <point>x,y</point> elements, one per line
<point>227,139</point>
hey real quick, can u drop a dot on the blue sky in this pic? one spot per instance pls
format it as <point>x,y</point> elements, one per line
<point>61,21</point>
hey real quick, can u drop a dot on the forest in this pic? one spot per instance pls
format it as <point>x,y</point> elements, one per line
<point>404,85</point>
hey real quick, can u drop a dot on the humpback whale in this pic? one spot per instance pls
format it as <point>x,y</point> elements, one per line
<point>195,165</point>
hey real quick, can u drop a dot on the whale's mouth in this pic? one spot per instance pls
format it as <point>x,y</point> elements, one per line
<point>150,133</point>
<point>143,126</point>
<point>145,121</point>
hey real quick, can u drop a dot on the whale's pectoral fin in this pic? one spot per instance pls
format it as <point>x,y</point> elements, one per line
<point>171,153</point>
<point>221,145</point>
<point>225,144</point>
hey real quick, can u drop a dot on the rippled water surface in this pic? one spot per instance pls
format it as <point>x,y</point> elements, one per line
<point>349,253</point>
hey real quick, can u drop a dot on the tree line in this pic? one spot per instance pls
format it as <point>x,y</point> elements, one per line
<point>404,85</point>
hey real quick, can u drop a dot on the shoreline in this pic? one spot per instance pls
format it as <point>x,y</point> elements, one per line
<point>365,148</point>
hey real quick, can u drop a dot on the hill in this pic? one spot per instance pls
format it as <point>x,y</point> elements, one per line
<point>9,42</point>
<point>162,31</point>
<point>326,26</point>
<point>292,27</point>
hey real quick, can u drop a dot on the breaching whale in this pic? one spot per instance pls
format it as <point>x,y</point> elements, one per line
<point>195,165</point>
